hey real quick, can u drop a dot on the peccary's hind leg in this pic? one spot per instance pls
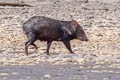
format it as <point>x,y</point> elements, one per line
<point>31,40</point>
<point>68,46</point>
<point>48,46</point>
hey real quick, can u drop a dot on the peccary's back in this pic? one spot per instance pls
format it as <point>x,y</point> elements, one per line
<point>44,28</point>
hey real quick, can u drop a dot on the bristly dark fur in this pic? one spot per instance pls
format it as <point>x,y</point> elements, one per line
<point>47,29</point>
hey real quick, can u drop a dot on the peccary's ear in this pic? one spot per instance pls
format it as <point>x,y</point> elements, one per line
<point>74,25</point>
<point>74,22</point>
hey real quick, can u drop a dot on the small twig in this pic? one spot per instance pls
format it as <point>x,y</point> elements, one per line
<point>107,26</point>
<point>13,4</point>
<point>96,9</point>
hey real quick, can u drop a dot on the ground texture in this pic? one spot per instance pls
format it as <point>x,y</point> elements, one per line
<point>100,20</point>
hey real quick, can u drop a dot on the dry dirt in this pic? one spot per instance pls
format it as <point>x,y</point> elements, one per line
<point>100,20</point>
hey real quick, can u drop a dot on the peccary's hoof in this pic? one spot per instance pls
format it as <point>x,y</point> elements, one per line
<point>26,54</point>
<point>47,53</point>
<point>72,53</point>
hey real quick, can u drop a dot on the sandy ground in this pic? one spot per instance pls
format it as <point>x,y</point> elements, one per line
<point>101,54</point>
<point>88,71</point>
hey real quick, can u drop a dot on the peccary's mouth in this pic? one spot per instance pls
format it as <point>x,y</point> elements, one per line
<point>85,40</point>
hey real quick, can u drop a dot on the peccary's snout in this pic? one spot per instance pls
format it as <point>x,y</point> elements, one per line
<point>83,38</point>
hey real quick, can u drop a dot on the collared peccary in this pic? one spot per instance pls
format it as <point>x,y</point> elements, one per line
<point>47,29</point>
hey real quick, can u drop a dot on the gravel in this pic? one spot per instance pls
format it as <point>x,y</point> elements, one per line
<point>100,25</point>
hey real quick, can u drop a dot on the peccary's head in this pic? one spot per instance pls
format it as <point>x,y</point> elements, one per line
<point>78,31</point>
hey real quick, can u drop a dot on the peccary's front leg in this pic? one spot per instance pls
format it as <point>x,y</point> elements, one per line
<point>68,46</point>
<point>48,46</point>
